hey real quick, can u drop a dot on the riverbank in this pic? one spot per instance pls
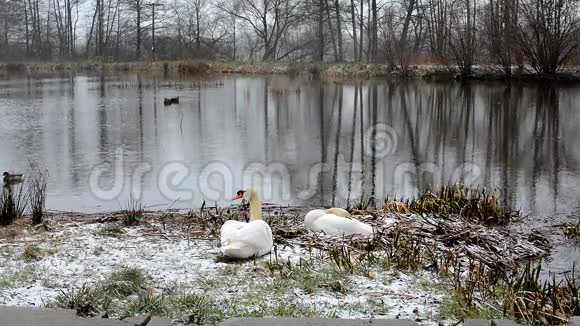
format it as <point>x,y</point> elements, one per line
<point>310,70</point>
<point>170,267</point>
<point>427,267</point>
<point>439,258</point>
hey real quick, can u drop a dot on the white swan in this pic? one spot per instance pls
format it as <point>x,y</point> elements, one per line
<point>335,221</point>
<point>244,240</point>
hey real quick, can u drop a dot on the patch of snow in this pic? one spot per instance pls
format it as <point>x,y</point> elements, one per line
<point>85,256</point>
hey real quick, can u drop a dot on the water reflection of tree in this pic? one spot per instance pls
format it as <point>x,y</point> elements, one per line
<point>440,127</point>
<point>140,110</point>
<point>322,135</point>
<point>546,127</point>
<point>71,119</point>
<point>102,118</point>
<point>352,143</point>
<point>339,91</point>
<point>374,121</point>
<point>411,132</point>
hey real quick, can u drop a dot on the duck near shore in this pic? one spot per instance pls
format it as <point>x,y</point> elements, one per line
<point>12,178</point>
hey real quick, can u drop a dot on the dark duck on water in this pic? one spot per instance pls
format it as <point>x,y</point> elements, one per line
<point>12,179</point>
<point>172,100</point>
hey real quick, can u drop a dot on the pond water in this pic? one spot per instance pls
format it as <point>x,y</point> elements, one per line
<point>300,142</point>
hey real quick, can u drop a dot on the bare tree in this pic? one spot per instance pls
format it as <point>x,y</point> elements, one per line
<point>339,29</point>
<point>354,37</point>
<point>463,38</point>
<point>138,7</point>
<point>500,25</point>
<point>320,28</point>
<point>331,29</point>
<point>439,27</point>
<point>270,20</point>
<point>548,33</point>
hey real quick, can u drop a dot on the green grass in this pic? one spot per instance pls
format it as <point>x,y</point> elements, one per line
<point>330,279</point>
<point>13,203</point>
<point>32,253</point>
<point>19,276</point>
<point>150,302</point>
<point>91,300</point>
<point>125,282</point>
<point>133,212</point>
<point>377,306</point>
<point>473,204</point>
<point>437,286</point>
<point>453,308</point>
<point>198,309</point>
<point>111,230</point>
<point>133,293</point>
<point>86,301</point>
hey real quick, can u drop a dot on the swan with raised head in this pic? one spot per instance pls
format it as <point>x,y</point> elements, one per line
<point>335,221</point>
<point>244,240</point>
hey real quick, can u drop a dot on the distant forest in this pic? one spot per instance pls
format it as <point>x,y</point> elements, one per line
<point>542,34</point>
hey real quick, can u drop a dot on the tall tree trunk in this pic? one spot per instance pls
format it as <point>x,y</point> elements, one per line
<point>353,18</point>
<point>234,39</point>
<point>362,20</point>
<point>101,29</point>
<point>71,43</point>
<point>338,30</point>
<point>404,33</point>
<point>369,32</point>
<point>332,36</point>
<point>138,46</point>
<point>266,38</point>
<point>197,34</point>
<point>94,20</point>
<point>320,31</point>
<point>118,34</point>
<point>60,29</point>
<point>47,50</point>
<point>5,36</point>
<point>27,29</point>
<point>38,28</point>
<point>375,31</point>
<point>33,27</point>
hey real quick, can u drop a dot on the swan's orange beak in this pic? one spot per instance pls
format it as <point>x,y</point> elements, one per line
<point>238,196</point>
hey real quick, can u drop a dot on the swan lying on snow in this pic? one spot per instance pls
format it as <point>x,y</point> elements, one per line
<point>335,221</point>
<point>244,240</point>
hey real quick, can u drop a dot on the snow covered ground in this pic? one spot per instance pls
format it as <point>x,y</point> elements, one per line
<point>71,254</point>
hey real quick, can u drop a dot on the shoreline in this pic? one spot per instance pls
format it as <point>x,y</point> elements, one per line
<point>181,277</point>
<point>175,256</point>
<point>310,70</point>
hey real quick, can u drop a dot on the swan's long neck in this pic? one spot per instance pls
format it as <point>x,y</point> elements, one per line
<point>255,206</point>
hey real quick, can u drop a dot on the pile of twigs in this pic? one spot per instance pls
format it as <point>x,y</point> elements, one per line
<point>494,247</point>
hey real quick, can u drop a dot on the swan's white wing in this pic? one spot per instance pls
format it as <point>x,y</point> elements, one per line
<point>254,238</point>
<point>229,230</point>
<point>337,225</point>
<point>258,234</point>
<point>311,217</point>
